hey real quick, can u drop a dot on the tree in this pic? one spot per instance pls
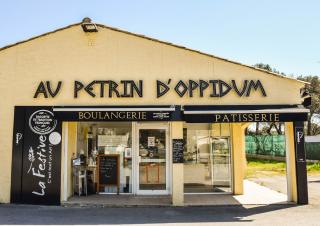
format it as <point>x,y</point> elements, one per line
<point>267,67</point>
<point>314,90</point>
<point>263,66</point>
<point>265,128</point>
<point>315,129</point>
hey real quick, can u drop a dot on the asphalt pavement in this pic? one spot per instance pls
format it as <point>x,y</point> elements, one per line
<point>219,215</point>
<point>284,214</point>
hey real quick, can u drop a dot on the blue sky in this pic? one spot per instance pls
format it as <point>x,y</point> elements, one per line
<point>284,34</point>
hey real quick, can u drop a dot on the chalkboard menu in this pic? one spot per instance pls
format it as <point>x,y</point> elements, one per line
<point>177,148</point>
<point>108,167</point>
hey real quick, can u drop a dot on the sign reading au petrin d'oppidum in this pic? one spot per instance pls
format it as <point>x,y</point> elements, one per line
<point>130,88</point>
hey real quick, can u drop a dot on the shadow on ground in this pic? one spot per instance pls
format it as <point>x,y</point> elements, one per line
<point>39,215</point>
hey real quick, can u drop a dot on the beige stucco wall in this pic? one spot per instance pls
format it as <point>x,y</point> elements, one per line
<point>238,156</point>
<point>291,163</point>
<point>71,54</point>
<point>68,148</point>
<point>177,169</point>
<point>72,150</point>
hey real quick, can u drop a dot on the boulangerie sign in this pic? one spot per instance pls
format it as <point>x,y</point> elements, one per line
<point>41,157</point>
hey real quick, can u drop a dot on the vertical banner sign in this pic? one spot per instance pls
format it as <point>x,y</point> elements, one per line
<point>17,150</point>
<point>301,171</point>
<point>41,157</point>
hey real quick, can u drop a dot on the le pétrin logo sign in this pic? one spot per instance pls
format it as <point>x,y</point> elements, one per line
<point>129,88</point>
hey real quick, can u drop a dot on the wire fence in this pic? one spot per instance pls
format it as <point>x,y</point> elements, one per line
<point>276,146</point>
<point>266,145</point>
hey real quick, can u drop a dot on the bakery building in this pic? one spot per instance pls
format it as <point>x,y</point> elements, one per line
<point>91,109</point>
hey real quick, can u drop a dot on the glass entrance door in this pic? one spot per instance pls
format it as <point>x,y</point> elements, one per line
<point>152,159</point>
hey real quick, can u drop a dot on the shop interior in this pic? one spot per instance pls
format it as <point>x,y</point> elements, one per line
<point>104,154</point>
<point>207,158</point>
<point>104,158</point>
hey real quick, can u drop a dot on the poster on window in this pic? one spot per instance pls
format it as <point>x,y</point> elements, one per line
<point>151,141</point>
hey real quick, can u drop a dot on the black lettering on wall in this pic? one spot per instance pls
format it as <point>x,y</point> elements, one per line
<point>41,90</point>
<point>138,89</point>
<point>102,85</point>
<point>53,93</point>
<point>89,89</point>
<point>113,89</point>
<point>255,85</point>
<point>46,89</point>
<point>178,87</point>
<point>77,87</point>
<point>162,88</point>
<point>202,86</point>
<point>214,88</point>
<point>244,87</point>
<point>224,88</point>
<point>192,86</point>
<point>131,88</point>
<point>125,93</point>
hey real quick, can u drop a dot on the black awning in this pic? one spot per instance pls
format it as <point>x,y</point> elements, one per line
<point>187,113</point>
<point>118,113</point>
<point>244,113</point>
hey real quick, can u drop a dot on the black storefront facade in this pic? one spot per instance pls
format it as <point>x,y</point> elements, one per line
<point>36,166</point>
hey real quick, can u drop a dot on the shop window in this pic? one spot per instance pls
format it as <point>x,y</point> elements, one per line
<point>207,158</point>
<point>113,142</point>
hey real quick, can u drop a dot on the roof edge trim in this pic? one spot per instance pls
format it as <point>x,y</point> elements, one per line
<point>38,36</point>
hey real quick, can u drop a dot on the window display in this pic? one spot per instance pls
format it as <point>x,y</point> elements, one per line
<point>207,160</point>
<point>102,140</point>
